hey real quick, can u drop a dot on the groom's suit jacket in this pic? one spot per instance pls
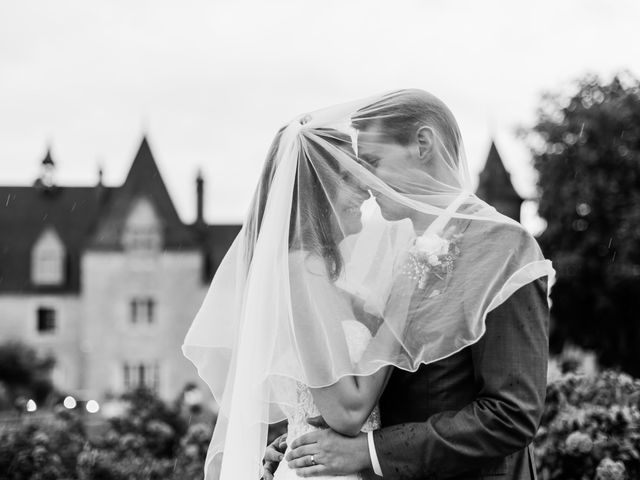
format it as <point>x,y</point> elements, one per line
<point>474,414</point>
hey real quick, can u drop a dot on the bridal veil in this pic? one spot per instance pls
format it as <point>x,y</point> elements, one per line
<point>346,231</point>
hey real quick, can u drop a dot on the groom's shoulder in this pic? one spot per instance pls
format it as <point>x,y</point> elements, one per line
<point>498,236</point>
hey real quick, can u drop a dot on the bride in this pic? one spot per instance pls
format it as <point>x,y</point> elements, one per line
<point>332,299</point>
<point>342,270</point>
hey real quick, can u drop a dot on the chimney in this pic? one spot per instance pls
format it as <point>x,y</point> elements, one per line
<point>199,198</point>
<point>100,189</point>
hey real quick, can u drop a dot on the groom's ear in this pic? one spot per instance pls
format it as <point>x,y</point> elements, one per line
<point>425,140</point>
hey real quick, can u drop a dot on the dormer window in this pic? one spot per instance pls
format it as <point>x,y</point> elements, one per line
<point>142,230</point>
<point>48,259</point>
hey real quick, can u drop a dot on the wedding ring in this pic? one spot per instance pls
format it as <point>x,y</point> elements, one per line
<point>313,460</point>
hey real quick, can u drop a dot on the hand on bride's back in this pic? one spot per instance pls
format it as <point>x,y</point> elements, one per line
<point>273,455</point>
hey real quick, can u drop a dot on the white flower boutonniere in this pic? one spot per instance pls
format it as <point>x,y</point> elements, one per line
<point>432,253</point>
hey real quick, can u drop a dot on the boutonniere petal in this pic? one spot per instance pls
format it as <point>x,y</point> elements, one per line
<point>432,254</point>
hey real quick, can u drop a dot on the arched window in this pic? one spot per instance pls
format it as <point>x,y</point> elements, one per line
<point>48,259</point>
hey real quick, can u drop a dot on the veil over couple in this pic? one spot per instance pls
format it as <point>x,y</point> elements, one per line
<point>395,320</point>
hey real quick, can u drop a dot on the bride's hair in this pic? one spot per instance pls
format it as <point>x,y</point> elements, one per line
<point>399,114</point>
<point>310,224</point>
<point>259,201</point>
<point>311,228</point>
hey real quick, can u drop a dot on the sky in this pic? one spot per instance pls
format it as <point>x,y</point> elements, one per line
<point>210,82</point>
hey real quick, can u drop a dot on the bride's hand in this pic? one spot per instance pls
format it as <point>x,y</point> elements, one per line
<point>333,454</point>
<point>273,456</point>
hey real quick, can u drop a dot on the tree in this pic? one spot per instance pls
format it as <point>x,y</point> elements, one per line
<point>586,149</point>
<point>24,372</point>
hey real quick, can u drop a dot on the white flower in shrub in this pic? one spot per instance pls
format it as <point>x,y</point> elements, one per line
<point>192,451</point>
<point>578,442</point>
<point>610,470</point>
<point>160,429</point>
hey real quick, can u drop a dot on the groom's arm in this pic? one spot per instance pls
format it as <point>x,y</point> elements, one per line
<point>510,363</point>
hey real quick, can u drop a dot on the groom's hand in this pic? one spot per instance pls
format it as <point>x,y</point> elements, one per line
<point>334,454</point>
<point>318,422</point>
<point>273,455</point>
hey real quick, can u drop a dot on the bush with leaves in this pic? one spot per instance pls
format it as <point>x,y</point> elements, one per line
<point>157,426</point>
<point>42,448</point>
<point>149,440</point>
<point>590,428</point>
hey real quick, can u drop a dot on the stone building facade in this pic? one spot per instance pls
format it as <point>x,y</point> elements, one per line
<point>106,279</point>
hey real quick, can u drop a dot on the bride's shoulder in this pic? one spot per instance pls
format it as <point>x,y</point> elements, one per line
<point>307,262</point>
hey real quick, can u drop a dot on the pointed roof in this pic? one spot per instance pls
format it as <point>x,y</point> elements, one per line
<point>143,179</point>
<point>50,239</point>
<point>26,212</point>
<point>87,217</point>
<point>495,181</point>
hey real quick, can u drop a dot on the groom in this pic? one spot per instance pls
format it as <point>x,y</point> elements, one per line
<point>473,414</point>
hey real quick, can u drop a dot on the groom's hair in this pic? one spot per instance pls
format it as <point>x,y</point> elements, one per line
<point>398,115</point>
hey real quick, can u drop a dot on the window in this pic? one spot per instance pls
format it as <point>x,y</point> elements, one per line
<point>142,239</point>
<point>142,230</point>
<point>46,319</point>
<point>141,374</point>
<point>142,311</point>
<point>47,259</point>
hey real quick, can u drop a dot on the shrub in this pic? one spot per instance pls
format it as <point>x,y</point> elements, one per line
<point>43,448</point>
<point>590,428</point>
<point>149,441</point>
